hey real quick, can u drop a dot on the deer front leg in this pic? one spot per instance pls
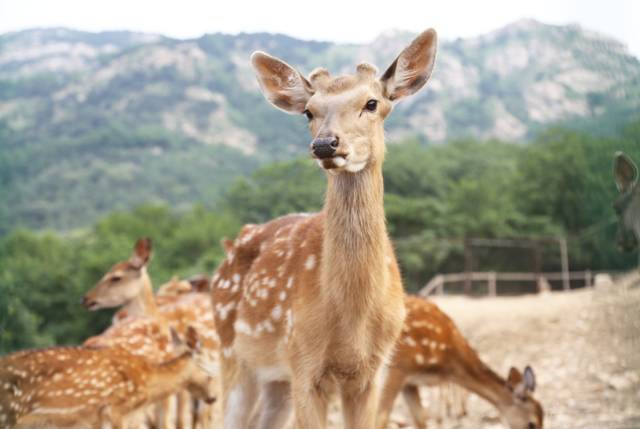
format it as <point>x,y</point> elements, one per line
<point>411,394</point>
<point>393,382</point>
<point>360,401</point>
<point>275,405</point>
<point>310,402</point>
<point>239,394</point>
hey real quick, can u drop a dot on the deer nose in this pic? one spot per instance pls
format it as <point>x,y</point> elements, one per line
<point>86,302</point>
<point>325,147</point>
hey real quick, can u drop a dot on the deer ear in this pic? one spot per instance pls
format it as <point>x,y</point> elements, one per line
<point>625,172</point>
<point>141,253</point>
<point>413,67</point>
<point>200,283</point>
<point>176,341</point>
<point>227,245</point>
<point>514,378</point>
<point>529,378</point>
<point>193,340</point>
<point>281,84</point>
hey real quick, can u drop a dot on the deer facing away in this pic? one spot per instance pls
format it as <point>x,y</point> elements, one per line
<point>432,351</point>
<point>314,303</point>
<point>76,387</point>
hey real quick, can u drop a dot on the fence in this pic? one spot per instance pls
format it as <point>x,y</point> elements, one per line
<point>437,284</point>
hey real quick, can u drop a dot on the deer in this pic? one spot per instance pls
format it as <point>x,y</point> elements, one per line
<point>310,304</point>
<point>142,327</point>
<point>78,387</point>
<point>432,351</point>
<point>627,204</point>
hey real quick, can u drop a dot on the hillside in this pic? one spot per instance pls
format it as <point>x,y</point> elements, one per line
<point>94,122</point>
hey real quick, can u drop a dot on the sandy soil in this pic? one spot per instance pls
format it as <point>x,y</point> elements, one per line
<point>584,346</point>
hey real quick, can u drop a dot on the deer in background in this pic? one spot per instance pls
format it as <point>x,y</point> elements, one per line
<point>313,304</point>
<point>76,387</point>
<point>627,205</point>
<point>142,327</point>
<point>432,351</point>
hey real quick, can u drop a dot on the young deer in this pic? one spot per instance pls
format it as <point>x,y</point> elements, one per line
<point>76,387</point>
<point>627,205</point>
<point>142,327</point>
<point>431,350</point>
<point>314,303</point>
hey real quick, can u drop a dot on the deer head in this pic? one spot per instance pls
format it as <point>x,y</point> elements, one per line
<point>198,374</point>
<point>346,113</point>
<point>627,205</point>
<point>524,412</point>
<point>123,282</point>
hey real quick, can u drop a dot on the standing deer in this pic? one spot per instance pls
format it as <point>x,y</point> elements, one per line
<point>76,387</point>
<point>627,205</point>
<point>432,351</point>
<point>314,303</point>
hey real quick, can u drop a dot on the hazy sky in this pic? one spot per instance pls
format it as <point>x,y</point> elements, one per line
<point>336,20</point>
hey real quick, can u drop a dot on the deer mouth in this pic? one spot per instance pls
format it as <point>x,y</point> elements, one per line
<point>89,304</point>
<point>334,162</point>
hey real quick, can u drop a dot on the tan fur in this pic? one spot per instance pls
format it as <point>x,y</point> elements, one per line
<point>315,301</point>
<point>66,387</point>
<point>142,326</point>
<point>431,350</point>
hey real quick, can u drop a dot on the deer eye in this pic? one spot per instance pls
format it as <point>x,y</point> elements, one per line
<point>308,114</point>
<point>371,105</point>
<point>115,279</point>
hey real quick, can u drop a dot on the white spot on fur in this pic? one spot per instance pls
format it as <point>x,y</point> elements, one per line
<point>419,359</point>
<point>310,263</point>
<point>276,312</point>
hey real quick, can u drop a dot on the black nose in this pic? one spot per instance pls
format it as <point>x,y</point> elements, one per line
<point>324,147</point>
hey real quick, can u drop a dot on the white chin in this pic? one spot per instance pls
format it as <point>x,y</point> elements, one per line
<point>354,167</point>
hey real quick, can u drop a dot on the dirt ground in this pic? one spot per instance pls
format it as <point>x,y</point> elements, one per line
<point>584,346</point>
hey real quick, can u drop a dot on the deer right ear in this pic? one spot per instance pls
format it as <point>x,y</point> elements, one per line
<point>141,253</point>
<point>281,84</point>
<point>625,172</point>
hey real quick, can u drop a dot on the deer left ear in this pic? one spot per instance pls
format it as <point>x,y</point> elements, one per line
<point>413,67</point>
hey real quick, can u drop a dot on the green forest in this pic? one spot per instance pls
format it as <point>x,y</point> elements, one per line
<point>560,184</point>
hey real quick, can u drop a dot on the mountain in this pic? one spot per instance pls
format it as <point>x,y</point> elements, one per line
<point>91,122</point>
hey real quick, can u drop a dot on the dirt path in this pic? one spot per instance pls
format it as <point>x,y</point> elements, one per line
<point>584,346</point>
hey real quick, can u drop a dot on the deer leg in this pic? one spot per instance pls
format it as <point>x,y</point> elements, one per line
<point>240,395</point>
<point>310,404</point>
<point>360,398</point>
<point>275,405</point>
<point>411,394</point>
<point>184,410</point>
<point>392,384</point>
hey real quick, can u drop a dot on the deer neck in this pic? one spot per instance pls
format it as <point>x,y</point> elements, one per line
<point>353,254</point>
<point>144,303</point>
<point>484,382</point>
<point>167,376</point>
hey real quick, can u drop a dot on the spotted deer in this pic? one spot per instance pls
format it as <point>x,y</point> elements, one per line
<point>141,326</point>
<point>185,303</point>
<point>627,205</point>
<point>431,351</point>
<point>77,387</point>
<point>313,304</point>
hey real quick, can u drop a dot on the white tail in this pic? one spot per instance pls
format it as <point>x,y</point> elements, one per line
<point>316,302</point>
<point>431,350</point>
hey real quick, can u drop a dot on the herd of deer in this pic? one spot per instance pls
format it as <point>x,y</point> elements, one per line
<point>303,308</point>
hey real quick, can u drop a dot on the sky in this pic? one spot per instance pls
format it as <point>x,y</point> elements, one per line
<point>332,20</point>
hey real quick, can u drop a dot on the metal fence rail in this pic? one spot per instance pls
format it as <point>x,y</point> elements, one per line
<point>437,284</point>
